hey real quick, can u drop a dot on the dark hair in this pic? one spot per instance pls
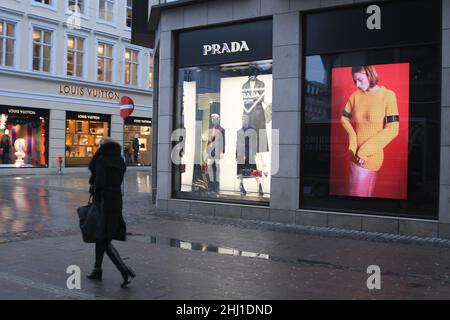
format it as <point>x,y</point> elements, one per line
<point>371,73</point>
<point>253,71</point>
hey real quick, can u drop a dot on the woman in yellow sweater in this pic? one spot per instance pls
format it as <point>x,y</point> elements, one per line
<point>374,111</point>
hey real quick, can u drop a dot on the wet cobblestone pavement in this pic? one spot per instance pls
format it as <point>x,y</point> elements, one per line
<point>196,257</point>
<point>32,205</point>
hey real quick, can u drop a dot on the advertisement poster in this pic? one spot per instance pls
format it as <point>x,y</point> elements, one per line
<point>369,131</point>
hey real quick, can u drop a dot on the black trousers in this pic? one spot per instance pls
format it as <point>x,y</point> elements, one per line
<point>111,252</point>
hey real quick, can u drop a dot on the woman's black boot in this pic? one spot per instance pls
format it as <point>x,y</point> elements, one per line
<point>96,274</point>
<point>126,272</point>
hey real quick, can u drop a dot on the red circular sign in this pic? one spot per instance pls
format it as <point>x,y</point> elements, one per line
<point>126,107</point>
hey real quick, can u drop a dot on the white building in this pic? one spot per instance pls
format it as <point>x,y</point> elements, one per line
<point>64,66</point>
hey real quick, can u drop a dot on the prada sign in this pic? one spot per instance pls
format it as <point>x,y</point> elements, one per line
<point>104,94</point>
<point>233,47</point>
<point>249,41</point>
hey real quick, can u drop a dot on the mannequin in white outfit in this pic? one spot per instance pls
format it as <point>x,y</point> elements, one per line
<point>19,145</point>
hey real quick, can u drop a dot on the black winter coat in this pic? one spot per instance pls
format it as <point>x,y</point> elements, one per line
<point>107,170</point>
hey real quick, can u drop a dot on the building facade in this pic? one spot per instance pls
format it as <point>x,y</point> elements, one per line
<point>64,68</point>
<point>323,113</point>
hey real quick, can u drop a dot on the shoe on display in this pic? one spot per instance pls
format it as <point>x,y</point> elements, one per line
<point>260,192</point>
<point>243,192</point>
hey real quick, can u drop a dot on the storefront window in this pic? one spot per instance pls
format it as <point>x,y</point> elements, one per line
<point>371,122</point>
<point>150,72</point>
<point>226,113</point>
<point>83,135</point>
<point>23,137</point>
<point>138,141</point>
<point>223,120</point>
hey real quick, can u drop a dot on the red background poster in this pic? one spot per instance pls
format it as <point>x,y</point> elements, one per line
<point>392,178</point>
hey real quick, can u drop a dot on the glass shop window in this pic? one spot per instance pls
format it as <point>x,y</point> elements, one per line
<point>225,116</point>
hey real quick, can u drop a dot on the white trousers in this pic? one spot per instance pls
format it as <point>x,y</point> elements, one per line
<point>362,181</point>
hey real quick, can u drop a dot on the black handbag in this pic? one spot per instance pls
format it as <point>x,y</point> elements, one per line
<point>92,221</point>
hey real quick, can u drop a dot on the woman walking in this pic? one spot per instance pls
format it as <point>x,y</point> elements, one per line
<point>107,170</point>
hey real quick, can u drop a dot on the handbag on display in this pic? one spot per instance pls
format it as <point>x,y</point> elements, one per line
<point>204,168</point>
<point>263,162</point>
<point>92,221</point>
<point>246,172</point>
<point>256,173</point>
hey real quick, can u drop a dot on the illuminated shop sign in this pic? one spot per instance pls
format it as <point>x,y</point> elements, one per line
<point>87,116</point>
<point>232,47</point>
<point>105,94</point>
<point>250,41</point>
<point>25,112</point>
<point>138,121</point>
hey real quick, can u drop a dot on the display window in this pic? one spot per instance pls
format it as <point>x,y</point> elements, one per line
<point>224,117</point>
<point>371,123</point>
<point>83,135</point>
<point>23,137</point>
<point>138,141</point>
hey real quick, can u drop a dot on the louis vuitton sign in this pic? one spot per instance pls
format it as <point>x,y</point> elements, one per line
<point>94,93</point>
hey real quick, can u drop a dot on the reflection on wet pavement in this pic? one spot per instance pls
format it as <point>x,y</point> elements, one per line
<point>45,202</point>
<point>196,246</point>
<point>292,260</point>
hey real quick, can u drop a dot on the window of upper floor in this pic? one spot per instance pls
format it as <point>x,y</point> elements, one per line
<point>7,43</point>
<point>42,50</point>
<point>129,13</point>
<point>75,56</point>
<point>131,67</point>
<point>49,4</point>
<point>77,6</point>
<point>150,71</point>
<point>104,62</point>
<point>106,11</point>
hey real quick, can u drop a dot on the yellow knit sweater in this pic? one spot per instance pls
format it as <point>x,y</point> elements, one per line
<point>370,134</point>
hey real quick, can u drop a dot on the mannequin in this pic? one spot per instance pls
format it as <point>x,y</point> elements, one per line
<point>3,119</point>
<point>247,146</point>
<point>5,145</point>
<point>253,93</point>
<point>136,148</point>
<point>214,152</point>
<point>19,145</point>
